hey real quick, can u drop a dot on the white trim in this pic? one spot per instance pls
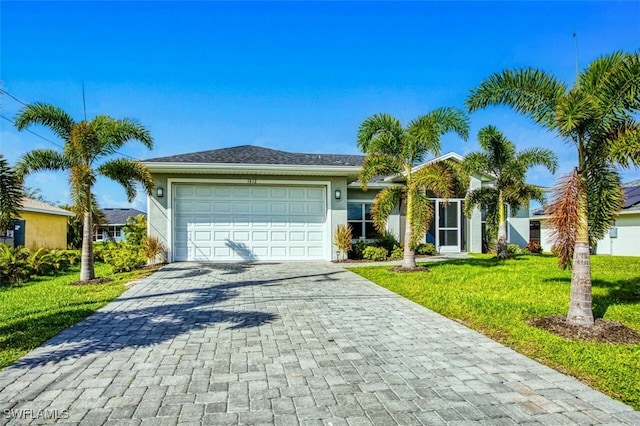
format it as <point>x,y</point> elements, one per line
<point>270,169</point>
<point>52,212</point>
<point>273,182</point>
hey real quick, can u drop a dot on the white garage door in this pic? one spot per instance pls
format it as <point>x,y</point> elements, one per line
<point>233,223</point>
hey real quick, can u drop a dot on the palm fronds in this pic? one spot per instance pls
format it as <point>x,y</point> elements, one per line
<point>564,212</point>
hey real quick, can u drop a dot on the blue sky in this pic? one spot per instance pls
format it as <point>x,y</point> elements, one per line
<point>294,76</point>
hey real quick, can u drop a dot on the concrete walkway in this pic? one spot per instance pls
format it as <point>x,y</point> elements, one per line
<point>287,344</point>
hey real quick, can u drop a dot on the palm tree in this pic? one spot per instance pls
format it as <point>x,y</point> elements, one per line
<point>393,150</point>
<point>598,115</point>
<point>10,195</point>
<point>500,160</point>
<point>85,144</point>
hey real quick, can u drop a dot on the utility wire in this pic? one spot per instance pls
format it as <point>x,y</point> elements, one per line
<point>32,132</point>
<point>42,137</point>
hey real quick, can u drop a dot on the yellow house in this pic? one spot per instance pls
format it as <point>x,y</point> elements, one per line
<point>41,225</point>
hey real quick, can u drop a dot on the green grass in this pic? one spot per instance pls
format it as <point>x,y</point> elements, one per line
<point>497,298</point>
<point>37,310</point>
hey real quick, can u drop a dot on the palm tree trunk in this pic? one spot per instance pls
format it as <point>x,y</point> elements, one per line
<point>87,271</point>
<point>580,303</point>
<point>86,263</point>
<point>409,260</point>
<point>502,230</point>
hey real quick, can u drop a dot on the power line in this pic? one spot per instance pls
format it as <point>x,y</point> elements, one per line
<point>42,137</point>
<point>12,97</point>
<point>32,132</point>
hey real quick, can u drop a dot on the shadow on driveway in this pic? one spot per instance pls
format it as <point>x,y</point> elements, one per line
<point>148,314</point>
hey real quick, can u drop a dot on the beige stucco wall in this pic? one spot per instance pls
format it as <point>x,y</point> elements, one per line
<point>44,230</point>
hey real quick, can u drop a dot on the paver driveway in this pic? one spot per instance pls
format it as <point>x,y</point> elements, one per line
<point>296,343</point>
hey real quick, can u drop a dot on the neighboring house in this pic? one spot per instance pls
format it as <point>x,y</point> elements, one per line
<point>623,239</point>
<point>114,221</point>
<point>40,225</point>
<point>254,203</point>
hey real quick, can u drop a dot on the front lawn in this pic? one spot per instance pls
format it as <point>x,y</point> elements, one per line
<point>39,309</point>
<point>497,298</point>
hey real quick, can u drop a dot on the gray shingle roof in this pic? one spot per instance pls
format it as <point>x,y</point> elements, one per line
<point>118,216</point>
<point>249,154</point>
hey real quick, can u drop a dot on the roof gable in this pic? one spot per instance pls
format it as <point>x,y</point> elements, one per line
<point>119,216</point>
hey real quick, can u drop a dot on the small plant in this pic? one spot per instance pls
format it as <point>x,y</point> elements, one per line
<point>152,247</point>
<point>427,249</point>
<point>534,247</point>
<point>376,254</point>
<point>124,258</point>
<point>342,238</point>
<point>397,253</point>
<point>357,249</point>
<point>388,241</point>
<point>513,249</point>
<point>14,265</point>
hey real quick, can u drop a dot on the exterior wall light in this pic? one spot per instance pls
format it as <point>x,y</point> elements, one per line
<point>159,192</point>
<point>338,194</point>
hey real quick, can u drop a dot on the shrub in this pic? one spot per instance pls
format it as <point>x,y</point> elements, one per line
<point>135,230</point>
<point>513,249</point>
<point>375,253</point>
<point>124,258</point>
<point>397,253</point>
<point>427,249</point>
<point>357,249</point>
<point>388,241</point>
<point>14,265</point>
<point>534,247</point>
<point>152,247</point>
<point>342,238</point>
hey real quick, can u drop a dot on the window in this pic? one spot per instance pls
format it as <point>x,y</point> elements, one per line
<point>359,217</point>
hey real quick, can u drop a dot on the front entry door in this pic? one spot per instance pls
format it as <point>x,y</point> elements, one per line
<point>448,233</point>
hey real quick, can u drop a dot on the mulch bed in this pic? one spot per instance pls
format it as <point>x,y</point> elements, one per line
<point>603,331</point>
<point>403,269</point>
<point>101,280</point>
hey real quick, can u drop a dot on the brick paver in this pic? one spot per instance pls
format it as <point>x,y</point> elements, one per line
<point>287,344</point>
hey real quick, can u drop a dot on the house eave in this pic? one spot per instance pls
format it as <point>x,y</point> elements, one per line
<point>253,169</point>
<point>45,211</point>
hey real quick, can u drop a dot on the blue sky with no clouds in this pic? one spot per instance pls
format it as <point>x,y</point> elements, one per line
<point>294,76</point>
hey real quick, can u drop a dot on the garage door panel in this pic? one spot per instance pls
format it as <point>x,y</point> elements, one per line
<point>220,222</point>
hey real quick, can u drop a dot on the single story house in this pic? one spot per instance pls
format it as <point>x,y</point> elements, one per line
<point>254,203</point>
<point>623,238</point>
<point>114,220</point>
<point>40,225</point>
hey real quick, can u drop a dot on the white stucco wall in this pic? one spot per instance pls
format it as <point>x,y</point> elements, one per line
<point>627,242</point>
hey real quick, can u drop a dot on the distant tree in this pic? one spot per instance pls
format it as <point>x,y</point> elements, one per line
<point>10,195</point>
<point>500,160</point>
<point>135,230</point>
<point>599,116</point>
<point>86,143</point>
<point>74,224</point>
<point>393,150</point>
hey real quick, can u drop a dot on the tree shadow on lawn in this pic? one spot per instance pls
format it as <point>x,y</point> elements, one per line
<point>138,320</point>
<point>619,292</point>
<point>473,261</point>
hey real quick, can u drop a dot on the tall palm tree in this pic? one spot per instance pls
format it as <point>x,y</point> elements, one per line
<point>10,195</point>
<point>500,160</point>
<point>393,150</point>
<point>86,143</point>
<point>598,115</point>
